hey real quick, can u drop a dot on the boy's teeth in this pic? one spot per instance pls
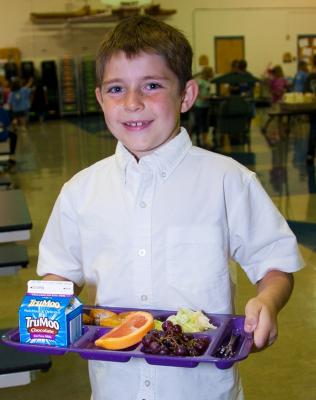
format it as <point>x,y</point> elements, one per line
<point>135,123</point>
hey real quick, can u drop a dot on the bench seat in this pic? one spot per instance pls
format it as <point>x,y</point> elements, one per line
<point>12,254</point>
<point>16,366</point>
<point>12,257</point>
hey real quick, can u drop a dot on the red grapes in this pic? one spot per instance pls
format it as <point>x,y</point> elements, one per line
<point>172,341</point>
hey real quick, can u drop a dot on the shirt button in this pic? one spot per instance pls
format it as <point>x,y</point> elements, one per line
<point>164,174</point>
<point>143,297</point>
<point>147,383</point>
<point>142,252</point>
<point>142,204</point>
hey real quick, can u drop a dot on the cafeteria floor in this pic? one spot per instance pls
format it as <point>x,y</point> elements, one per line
<point>49,153</point>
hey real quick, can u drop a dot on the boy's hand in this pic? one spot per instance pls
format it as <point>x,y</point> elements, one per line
<point>274,290</point>
<point>53,277</point>
<point>262,321</point>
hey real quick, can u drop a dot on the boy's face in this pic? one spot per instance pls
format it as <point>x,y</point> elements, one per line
<point>141,101</point>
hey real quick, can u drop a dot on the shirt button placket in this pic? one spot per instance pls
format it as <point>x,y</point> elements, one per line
<point>142,252</point>
<point>147,390</point>
<point>143,241</point>
<point>142,204</point>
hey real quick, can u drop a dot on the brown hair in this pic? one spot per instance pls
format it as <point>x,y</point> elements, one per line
<point>277,71</point>
<point>140,33</point>
<point>207,73</point>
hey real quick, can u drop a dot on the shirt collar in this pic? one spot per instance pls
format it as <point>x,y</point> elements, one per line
<point>164,160</point>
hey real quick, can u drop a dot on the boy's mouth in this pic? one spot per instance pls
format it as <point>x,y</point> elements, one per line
<point>136,124</point>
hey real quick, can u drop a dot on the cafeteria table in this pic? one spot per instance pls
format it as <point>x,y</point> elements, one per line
<point>4,151</point>
<point>15,220</point>
<point>13,256</point>
<point>5,181</point>
<point>17,367</point>
<point>15,225</point>
<point>290,111</point>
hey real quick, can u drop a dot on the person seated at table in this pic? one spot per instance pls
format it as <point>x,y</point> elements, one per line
<point>235,113</point>
<point>6,133</point>
<point>230,78</point>
<point>247,80</point>
<point>238,76</point>
<point>19,102</point>
<point>278,85</point>
<point>310,87</point>
<point>201,107</point>
<point>300,77</point>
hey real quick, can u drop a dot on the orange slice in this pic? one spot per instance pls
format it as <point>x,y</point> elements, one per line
<point>131,331</point>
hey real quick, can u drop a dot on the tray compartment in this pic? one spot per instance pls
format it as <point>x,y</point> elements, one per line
<point>241,347</point>
<point>12,338</point>
<point>86,348</point>
<point>180,361</point>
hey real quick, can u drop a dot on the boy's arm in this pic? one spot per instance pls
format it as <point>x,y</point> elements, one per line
<point>52,277</point>
<point>273,292</point>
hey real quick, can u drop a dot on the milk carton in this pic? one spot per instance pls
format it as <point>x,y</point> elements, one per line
<point>50,314</point>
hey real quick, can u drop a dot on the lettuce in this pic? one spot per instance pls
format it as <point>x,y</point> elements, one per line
<point>157,324</point>
<point>191,321</point>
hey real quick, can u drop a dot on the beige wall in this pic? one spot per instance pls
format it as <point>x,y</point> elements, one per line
<point>270,28</point>
<point>38,42</point>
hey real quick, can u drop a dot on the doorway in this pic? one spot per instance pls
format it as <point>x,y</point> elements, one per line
<point>228,49</point>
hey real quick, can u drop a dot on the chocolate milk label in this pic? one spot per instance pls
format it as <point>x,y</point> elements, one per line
<point>50,319</point>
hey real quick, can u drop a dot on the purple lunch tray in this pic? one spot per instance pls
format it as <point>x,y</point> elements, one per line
<point>85,347</point>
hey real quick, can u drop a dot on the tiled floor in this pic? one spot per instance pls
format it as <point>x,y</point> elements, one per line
<point>50,153</point>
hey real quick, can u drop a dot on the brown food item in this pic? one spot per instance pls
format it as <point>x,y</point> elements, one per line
<point>124,314</point>
<point>86,319</point>
<point>103,317</point>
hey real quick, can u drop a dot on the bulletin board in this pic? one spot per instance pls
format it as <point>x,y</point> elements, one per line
<point>12,54</point>
<point>306,48</point>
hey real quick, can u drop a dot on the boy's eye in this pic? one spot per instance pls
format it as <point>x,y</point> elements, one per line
<point>153,85</point>
<point>114,89</point>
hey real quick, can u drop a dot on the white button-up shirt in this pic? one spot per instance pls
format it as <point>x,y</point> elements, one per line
<point>158,234</point>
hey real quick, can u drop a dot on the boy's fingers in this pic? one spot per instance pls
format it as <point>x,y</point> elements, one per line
<point>258,320</point>
<point>272,339</point>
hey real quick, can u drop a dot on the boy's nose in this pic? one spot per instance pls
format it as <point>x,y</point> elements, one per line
<point>134,100</point>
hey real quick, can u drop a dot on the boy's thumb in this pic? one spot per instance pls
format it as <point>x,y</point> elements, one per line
<point>252,316</point>
<point>250,324</point>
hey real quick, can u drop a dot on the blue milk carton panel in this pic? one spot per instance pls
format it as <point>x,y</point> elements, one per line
<point>50,314</point>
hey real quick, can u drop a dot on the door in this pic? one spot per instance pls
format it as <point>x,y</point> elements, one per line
<point>228,49</point>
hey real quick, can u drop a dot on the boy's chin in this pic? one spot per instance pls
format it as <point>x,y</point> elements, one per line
<point>139,152</point>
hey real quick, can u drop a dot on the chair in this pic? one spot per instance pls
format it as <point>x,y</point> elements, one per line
<point>234,118</point>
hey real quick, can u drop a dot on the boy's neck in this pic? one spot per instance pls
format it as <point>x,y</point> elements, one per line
<point>138,156</point>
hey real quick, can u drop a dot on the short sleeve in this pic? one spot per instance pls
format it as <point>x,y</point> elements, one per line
<point>260,238</point>
<point>59,249</point>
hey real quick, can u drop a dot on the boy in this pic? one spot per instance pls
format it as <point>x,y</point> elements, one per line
<point>154,225</point>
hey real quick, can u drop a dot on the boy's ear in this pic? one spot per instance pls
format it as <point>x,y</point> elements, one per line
<point>190,94</point>
<point>98,96</point>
